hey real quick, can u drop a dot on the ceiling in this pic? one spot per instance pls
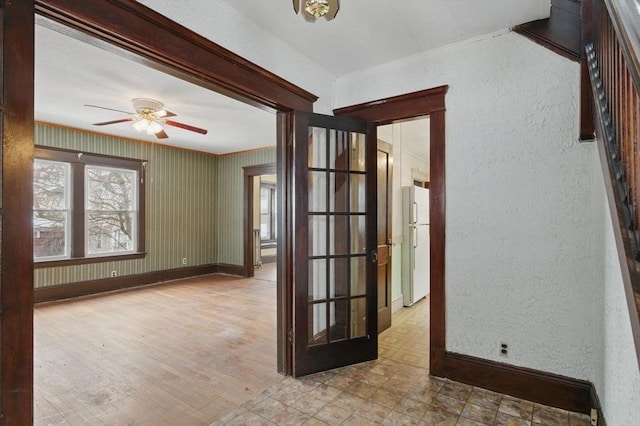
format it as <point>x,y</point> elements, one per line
<point>71,73</point>
<point>365,33</point>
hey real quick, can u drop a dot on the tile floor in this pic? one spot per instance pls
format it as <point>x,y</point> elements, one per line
<point>396,389</point>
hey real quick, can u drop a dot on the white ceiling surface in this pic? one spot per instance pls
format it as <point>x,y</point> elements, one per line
<point>366,33</point>
<point>70,73</point>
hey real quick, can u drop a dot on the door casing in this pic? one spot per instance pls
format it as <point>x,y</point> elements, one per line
<point>429,102</point>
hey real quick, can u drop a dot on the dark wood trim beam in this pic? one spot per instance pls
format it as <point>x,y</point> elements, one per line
<point>560,32</point>
<point>16,210</point>
<point>87,288</point>
<point>226,268</point>
<point>429,102</point>
<point>285,194</point>
<point>159,42</point>
<point>88,260</point>
<point>437,217</point>
<point>533,385</point>
<point>378,111</point>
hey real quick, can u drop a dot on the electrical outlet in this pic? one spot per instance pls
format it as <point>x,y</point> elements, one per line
<point>184,260</point>
<point>504,349</point>
<point>114,273</point>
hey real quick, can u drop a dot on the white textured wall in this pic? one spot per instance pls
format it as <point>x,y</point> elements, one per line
<point>228,28</point>
<point>618,379</point>
<point>518,199</point>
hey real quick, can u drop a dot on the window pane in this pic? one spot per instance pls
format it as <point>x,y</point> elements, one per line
<point>317,324</point>
<point>357,152</point>
<point>110,232</point>
<point>317,279</point>
<point>265,198</point>
<point>49,190</point>
<point>51,181</point>
<point>338,192</point>
<point>317,147</point>
<point>358,234</point>
<point>358,317</point>
<point>317,235</point>
<point>110,189</point>
<point>50,234</point>
<point>110,213</point>
<point>317,192</point>
<point>339,150</point>
<point>358,276</point>
<point>358,194</point>
<point>338,237</point>
<point>338,315</point>
<point>338,282</point>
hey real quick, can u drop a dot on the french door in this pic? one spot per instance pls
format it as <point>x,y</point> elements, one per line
<point>334,249</point>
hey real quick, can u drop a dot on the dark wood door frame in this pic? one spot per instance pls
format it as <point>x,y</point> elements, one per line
<point>429,102</point>
<point>250,172</point>
<point>131,29</point>
<point>16,204</point>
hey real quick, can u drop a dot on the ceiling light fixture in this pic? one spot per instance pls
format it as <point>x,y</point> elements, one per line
<point>314,9</point>
<point>148,112</point>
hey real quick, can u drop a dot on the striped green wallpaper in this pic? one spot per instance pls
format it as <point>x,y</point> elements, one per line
<point>181,199</point>
<point>230,180</point>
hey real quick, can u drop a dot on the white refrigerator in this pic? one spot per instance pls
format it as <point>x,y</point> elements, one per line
<point>416,269</point>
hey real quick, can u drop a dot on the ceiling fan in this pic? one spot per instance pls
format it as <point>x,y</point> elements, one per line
<point>149,116</point>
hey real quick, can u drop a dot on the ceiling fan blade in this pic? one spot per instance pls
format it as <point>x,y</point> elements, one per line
<point>104,123</point>
<point>162,135</point>
<point>186,127</point>
<point>164,113</point>
<point>110,109</point>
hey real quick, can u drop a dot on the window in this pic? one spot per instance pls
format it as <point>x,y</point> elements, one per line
<point>267,212</point>
<point>51,209</point>
<point>86,207</point>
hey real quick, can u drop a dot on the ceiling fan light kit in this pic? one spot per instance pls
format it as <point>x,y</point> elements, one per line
<point>149,111</point>
<point>149,117</point>
<point>314,9</point>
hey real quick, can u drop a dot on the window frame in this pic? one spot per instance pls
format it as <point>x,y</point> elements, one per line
<point>78,160</point>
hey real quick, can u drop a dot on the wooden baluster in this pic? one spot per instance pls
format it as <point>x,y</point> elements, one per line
<point>633,130</point>
<point>610,67</point>
<point>625,95</point>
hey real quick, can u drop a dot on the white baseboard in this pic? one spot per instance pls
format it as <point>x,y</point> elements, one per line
<point>396,305</point>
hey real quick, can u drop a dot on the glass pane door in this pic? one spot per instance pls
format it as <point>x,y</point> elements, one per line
<point>335,243</point>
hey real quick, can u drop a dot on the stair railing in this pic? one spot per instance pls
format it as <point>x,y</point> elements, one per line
<point>614,69</point>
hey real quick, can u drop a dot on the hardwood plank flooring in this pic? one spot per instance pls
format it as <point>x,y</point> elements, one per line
<point>185,352</point>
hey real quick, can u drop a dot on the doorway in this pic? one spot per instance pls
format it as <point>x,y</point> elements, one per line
<point>260,216</point>
<point>132,346</point>
<point>430,102</point>
<point>407,210</point>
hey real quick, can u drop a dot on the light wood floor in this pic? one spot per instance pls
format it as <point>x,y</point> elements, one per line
<point>181,353</point>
